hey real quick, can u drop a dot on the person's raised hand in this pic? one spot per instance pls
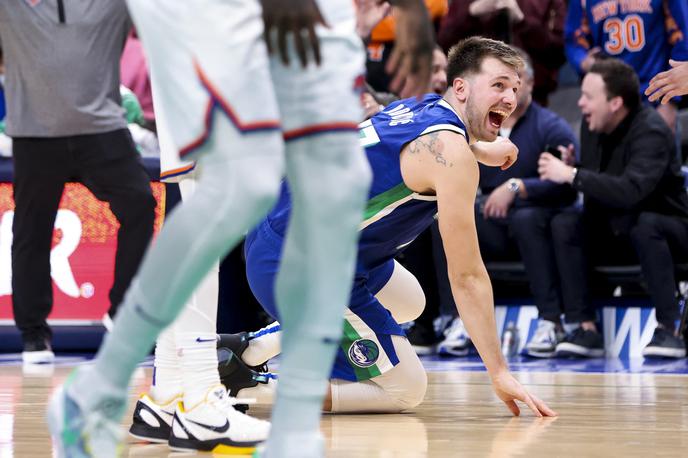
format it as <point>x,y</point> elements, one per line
<point>368,14</point>
<point>410,63</point>
<point>298,18</point>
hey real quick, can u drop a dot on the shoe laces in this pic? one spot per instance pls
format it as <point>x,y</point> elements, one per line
<point>456,330</point>
<point>226,405</point>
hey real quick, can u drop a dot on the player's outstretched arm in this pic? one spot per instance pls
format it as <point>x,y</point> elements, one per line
<point>500,153</point>
<point>411,59</point>
<point>443,162</point>
<point>295,17</point>
<point>670,83</point>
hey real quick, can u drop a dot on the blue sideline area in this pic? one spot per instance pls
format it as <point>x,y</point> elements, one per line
<point>627,326</point>
<point>80,339</point>
<point>471,363</point>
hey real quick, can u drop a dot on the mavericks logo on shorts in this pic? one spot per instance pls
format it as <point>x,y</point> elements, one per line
<point>364,353</point>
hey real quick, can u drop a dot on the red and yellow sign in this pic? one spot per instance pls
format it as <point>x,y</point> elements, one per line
<point>83,253</point>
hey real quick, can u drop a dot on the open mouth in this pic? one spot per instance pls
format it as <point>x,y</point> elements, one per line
<point>497,117</point>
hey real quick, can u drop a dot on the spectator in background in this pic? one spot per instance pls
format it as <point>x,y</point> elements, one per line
<point>66,122</point>
<point>380,42</point>
<point>438,78</point>
<point>134,75</point>
<point>146,140</point>
<point>642,34</point>
<point>374,101</point>
<point>536,26</point>
<point>5,141</point>
<point>634,198</point>
<point>513,213</point>
<point>2,87</point>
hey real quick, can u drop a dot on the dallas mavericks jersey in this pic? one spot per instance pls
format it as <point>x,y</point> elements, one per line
<point>394,215</point>
<point>642,33</point>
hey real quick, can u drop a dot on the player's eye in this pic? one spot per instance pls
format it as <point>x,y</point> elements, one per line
<point>498,85</point>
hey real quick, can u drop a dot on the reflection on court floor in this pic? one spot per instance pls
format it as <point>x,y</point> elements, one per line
<point>607,407</point>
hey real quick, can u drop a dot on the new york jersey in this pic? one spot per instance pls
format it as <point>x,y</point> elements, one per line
<point>642,33</point>
<point>394,215</point>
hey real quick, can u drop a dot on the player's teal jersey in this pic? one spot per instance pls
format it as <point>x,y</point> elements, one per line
<point>395,215</point>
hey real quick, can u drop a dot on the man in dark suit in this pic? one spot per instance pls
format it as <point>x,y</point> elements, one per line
<point>634,198</point>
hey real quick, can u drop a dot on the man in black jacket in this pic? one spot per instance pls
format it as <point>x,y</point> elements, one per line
<point>634,197</point>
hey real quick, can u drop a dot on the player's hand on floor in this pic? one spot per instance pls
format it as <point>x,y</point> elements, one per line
<point>411,60</point>
<point>509,390</point>
<point>298,18</point>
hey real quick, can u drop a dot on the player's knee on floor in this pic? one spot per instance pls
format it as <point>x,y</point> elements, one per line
<point>401,388</point>
<point>407,386</point>
<point>371,397</point>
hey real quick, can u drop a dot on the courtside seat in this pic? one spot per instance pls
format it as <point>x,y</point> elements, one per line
<point>611,275</point>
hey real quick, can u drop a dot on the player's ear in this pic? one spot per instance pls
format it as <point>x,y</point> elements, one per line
<point>461,89</point>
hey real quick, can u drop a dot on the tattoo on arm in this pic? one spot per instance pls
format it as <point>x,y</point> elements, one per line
<point>430,143</point>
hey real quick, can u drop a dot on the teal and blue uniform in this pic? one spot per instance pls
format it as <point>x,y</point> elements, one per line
<point>394,217</point>
<point>642,33</point>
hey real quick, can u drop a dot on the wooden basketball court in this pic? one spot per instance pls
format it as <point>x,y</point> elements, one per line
<point>601,414</point>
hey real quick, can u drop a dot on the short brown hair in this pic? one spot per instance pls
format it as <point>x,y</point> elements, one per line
<point>466,57</point>
<point>620,80</point>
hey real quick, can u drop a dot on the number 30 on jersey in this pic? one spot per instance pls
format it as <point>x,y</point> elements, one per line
<point>627,34</point>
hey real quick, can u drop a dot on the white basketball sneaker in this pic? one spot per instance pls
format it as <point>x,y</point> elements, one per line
<point>456,341</point>
<point>153,422</point>
<point>545,340</point>
<point>214,425</point>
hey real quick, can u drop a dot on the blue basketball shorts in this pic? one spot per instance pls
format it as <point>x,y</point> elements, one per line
<point>366,349</point>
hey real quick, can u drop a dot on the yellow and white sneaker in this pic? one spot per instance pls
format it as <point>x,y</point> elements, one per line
<point>214,425</point>
<point>153,422</point>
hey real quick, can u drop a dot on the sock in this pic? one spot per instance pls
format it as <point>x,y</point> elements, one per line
<point>199,365</point>
<point>195,331</point>
<point>263,345</point>
<point>167,380</point>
